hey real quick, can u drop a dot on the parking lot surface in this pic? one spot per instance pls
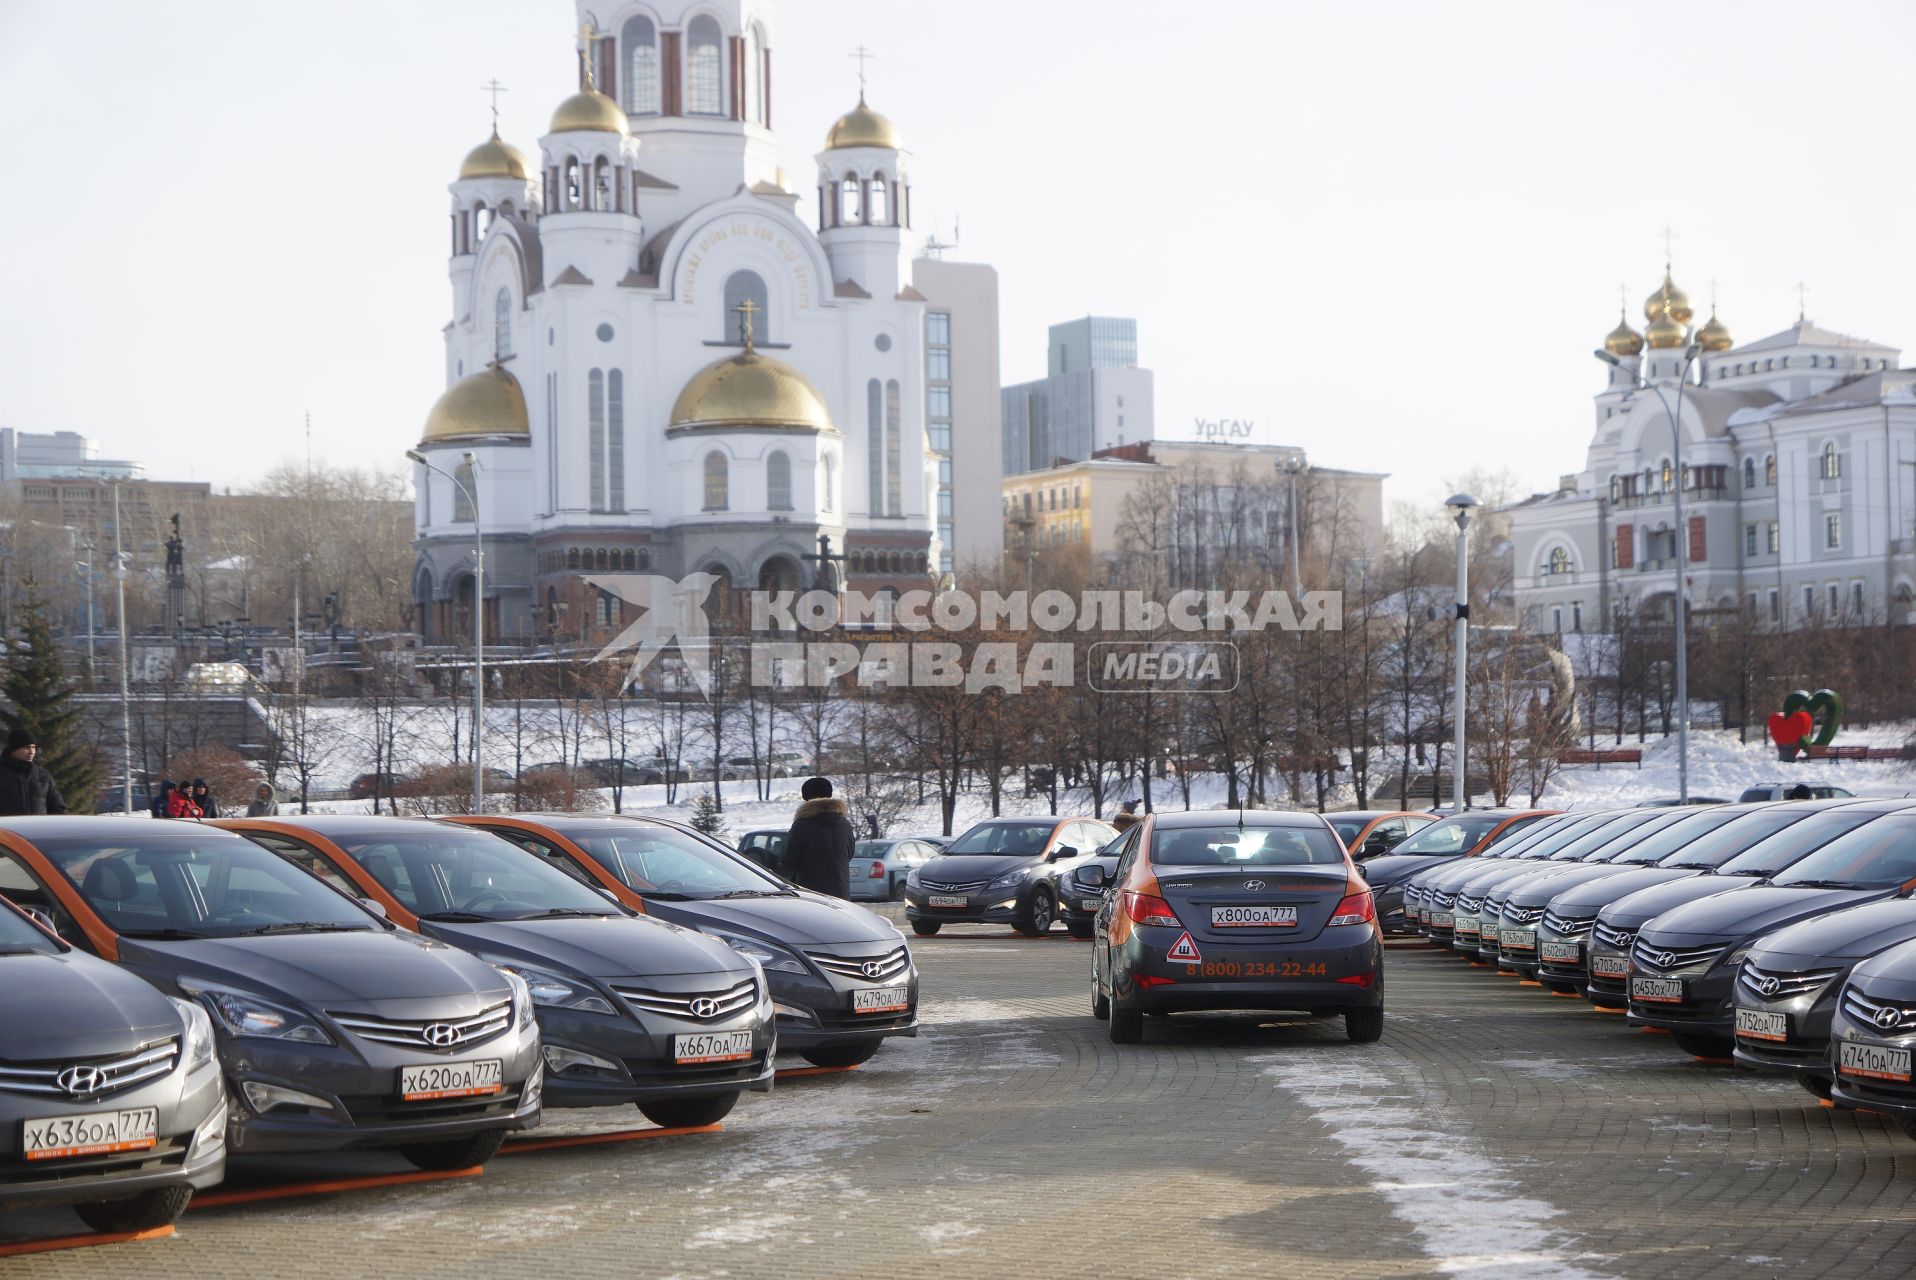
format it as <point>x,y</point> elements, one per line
<point>1496,1131</point>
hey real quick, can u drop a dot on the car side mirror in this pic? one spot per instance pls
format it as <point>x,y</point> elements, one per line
<point>375,906</point>
<point>1062,852</point>
<point>1093,875</point>
<point>1362,874</point>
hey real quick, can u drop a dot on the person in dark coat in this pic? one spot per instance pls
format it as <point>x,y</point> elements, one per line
<point>203,797</point>
<point>818,849</point>
<point>1126,817</point>
<point>26,787</point>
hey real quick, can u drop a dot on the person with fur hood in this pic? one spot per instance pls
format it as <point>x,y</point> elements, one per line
<point>1126,817</point>
<point>818,849</point>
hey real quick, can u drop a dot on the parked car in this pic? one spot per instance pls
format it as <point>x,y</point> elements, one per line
<point>335,1029</point>
<point>1792,791</point>
<point>879,867</point>
<point>1870,1037</point>
<point>1370,832</point>
<point>113,799</point>
<point>1237,909</point>
<point>1471,883</point>
<point>630,1010</point>
<point>1435,891</point>
<point>111,1098</point>
<point>368,785</point>
<point>1002,871</point>
<point>1670,802</point>
<point>1081,890</point>
<point>616,771</point>
<point>842,978</point>
<point>1599,845</point>
<point>766,848</point>
<point>1420,886</point>
<point>1438,840</point>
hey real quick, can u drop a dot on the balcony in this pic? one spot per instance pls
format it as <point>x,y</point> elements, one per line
<point>1662,497</point>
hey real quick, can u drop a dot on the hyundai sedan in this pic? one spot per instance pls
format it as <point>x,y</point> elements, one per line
<point>1460,836</point>
<point>1873,1037</point>
<point>1432,895</point>
<point>1002,871</point>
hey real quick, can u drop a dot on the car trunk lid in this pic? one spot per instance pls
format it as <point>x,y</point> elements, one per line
<point>1254,904</point>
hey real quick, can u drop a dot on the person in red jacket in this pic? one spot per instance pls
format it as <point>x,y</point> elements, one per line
<point>179,804</point>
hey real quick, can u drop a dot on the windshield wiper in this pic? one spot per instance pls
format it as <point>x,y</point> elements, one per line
<point>456,917</point>
<point>1819,884</point>
<point>562,913</point>
<point>296,926</point>
<point>161,935</point>
<point>751,893</point>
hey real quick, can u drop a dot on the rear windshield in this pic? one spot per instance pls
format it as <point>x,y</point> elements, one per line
<point>1877,855</point>
<point>1023,838</point>
<point>1231,846</point>
<point>661,862</point>
<point>1778,851</point>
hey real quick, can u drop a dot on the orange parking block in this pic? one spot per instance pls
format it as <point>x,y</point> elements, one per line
<point>524,1145</point>
<point>1604,1008</point>
<point>1567,995</point>
<point>1528,983</point>
<point>1653,1031</point>
<point>296,1190</point>
<point>794,1073</point>
<point>1825,1102</point>
<point>58,1243</point>
<point>1715,1062</point>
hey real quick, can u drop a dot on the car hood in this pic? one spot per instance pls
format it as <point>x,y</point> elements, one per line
<point>329,969</point>
<point>1587,897</point>
<point>1535,891</point>
<point>1458,870</point>
<point>1387,869</point>
<point>606,947</point>
<point>960,868</point>
<point>1492,877</point>
<point>1756,910</point>
<point>1636,909</point>
<point>1889,976</point>
<point>74,1006</point>
<point>804,919</point>
<point>1848,934</point>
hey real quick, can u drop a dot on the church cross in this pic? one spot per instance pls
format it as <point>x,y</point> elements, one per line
<point>587,38</point>
<point>1668,252</point>
<point>824,560</point>
<point>493,88</point>
<point>746,310</point>
<point>862,55</point>
<point>1802,302</point>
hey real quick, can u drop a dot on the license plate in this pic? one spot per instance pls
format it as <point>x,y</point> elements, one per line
<point>949,900</point>
<point>1090,904</point>
<point>1657,990</point>
<point>452,1080</point>
<point>1609,966</point>
<point>881,1000</point>
<point>1563,952</point>
<point>1442,920</point>
<point>1467,925</point>
<point>1253,917</point>
<point>96,1133</point>
<point>1873,1061</point>
<point>705,1047</point>
<point>1518,940</point>
<point>1758,1025</point>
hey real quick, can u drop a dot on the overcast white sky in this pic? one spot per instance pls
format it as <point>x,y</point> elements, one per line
<point>1390,232</point>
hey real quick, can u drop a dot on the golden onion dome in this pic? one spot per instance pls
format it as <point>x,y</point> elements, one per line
<point>751,389</point>
<point>487,403</point>
<point>1668,298</point>
<point>863,127</point>
<point>1665,332</point>
<point>494,158</point>
<point>589,111</point>
<point>1715,336</point>
<point>1623,340</point>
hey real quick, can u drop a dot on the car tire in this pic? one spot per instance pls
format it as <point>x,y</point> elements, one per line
<point>1364,1026</point>
<point>841,1055</point>
<point>926,928</point>
<point>897,891</point>
<point>1125,1026</point>
<point>1038,920</point>
<point>1100,1003</point>
<point>143,1212</point>
<point>688,1113</point>
<point>1701,1044</point>
<point>457,1153</point>
<point>1814,1084</point>
<point>1078,928</point>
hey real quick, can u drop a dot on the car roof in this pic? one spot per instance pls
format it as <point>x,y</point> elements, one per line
<point>344,824</point>
<point>1238,817</point>
<point>104,827</point>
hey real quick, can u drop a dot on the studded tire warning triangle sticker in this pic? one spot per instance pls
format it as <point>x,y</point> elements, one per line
<point>1183,949</point>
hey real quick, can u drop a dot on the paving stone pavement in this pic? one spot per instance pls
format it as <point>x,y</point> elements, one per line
<point>1496,1131</point>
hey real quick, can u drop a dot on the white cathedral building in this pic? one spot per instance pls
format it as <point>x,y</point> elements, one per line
<point>1798,478</point>
<point>655,363</point>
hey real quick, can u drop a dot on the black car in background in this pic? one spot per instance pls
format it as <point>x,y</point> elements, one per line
<point>1081,889</point>
<point>1423,886</point>
<point>111,1099</point>
<point>1443,887</point>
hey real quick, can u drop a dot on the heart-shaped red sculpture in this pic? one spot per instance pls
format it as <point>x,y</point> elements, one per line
<point>1787,730</point>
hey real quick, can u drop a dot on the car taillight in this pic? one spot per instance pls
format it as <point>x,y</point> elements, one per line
<point>1363,980</point>
<point>1145,908</point>
<point>878,870</point>
<point>1355,909</point>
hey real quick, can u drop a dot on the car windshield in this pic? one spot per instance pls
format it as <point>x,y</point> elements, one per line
<point>1625,842</point>
<point>1022,839</point>
<point>1233,846</point>
<point>1877,855</point>
<point>198,883</point>
<point>1600,836</point>
<point>449,873</point>
<point>19,936</point>
<point>1773,853</point>
<point>1533,835</point>
<point>665,863</point>
<point>1741,832</point>
<point>1452,835</point>
<point>1559,837</point>
<point>1672,837</point>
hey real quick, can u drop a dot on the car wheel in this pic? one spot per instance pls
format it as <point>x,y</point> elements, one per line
<point>1815,1084</point>
<point>841,1055</point>
<point>143,1212</point>
<point>1125,1026</point>
<point>1039,923</point>
<point>1078,928</point>
<point>1701,1044</point>
<point>926,928</point>
<point>458,1153</point>
<point>688,1113</point>
<point>1364,1026</point>
<point>897,890</point>
<point>1100,1003</point>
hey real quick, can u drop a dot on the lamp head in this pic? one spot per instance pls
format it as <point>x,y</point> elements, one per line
<point>1696,349</point>
<point>1606,357</point>
<point>471,459</point>
<point>1461,501</point>
<point>416,456</point>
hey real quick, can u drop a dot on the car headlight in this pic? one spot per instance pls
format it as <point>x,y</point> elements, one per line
<point>240,1013</point>
<point>1735,957</point>
<point>769,955</point>
<point>550,990</point>
<point>521,1000</point>
<point>1010,878</point>
<point>198,1049</point>
<point>911,878</point>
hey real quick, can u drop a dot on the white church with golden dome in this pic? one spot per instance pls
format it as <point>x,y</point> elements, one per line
<point>655,362</point>
<point>1798,479</point>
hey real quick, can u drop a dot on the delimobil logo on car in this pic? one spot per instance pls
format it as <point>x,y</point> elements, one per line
<point>1184,949</point>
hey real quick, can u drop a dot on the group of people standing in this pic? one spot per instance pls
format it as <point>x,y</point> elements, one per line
<point>195,800</point>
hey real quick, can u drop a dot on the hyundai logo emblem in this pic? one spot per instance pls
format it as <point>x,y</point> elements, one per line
<point>705,1007</point>
<point>79,1081</point>
<point>1667,960</point>
<point>1253,886</point>
<point>871,968</point>
<point>440,1035</point>
<point>1769,986</point>
<point>1886,1017</point>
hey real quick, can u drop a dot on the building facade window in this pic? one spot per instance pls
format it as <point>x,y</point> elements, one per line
<point>595,435</point>
<point>1749,539</point>
<point>778,481</point>
<point>1749,473</point>
<point>851,209</point>
<point>718,481</point>
<point>502,324</point>
<point>640,40</point>
<point>830,466</point>
<point>878,206</point>
<point>755,101</point>
<point>1769,470</point>
<point>1856,599</point>
<point>704,72</point>
<point>894,452</point>
<point>1775,538</point>
<point>1833,530</point>
<point>462,494</point>
<point>1832,462</point>
<point>875,446</point>
<point>615,440</point>
<point>1559,562</point>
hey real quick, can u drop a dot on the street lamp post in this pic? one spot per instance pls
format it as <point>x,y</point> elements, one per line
<point>1461,503</point>
<point>1291,463</point>
<point>126,702</point>
<point>478,625</point>
<point>1682,549</point>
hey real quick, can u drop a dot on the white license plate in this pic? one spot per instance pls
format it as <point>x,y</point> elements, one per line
<point>1758,1025</point>
<point>1518,940</point>
<point>96,1133</point>
<point>1873,1061</point>
<point>452,1080</point>
<point>1467,925</point>
<point>881,1000</point>
<point>1090,904</point>
<point>1562,952</point>
<point>1442,920</point>
<point>949,900</point>
<point>705,1047</point>
<point>1657,990</point>
<point>1253,917</point>
<point>1609,966</point>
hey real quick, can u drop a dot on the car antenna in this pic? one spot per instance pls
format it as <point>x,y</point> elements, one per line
<point>1240,818</point>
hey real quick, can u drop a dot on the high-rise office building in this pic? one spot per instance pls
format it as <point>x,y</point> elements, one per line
<point>962,423</point>
<point>1094,396</point>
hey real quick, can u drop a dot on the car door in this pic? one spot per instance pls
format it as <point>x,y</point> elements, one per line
<point>1101,924</point>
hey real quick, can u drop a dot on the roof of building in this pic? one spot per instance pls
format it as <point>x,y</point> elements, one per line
<point>1805,333</point>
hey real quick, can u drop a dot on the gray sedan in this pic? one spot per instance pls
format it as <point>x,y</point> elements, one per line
<point>879,867</point>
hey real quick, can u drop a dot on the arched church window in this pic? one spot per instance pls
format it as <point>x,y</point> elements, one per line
<point>1668,474</point>
<point>1559,561</point>
<point>615,440</point>
<point>875,446</point>
<point>755,75</point>
<point>640,40</point>
<point>851,210</point>
<point>595,435</point>
<point>572,558</point>
<point>1832,462</point>
<point>502,323</point>
<point>704,77</point>
<point>645,558</point>
<point>742,287</point>
<point>830,463</point>
<point>1749,473</point>
<point>481,222</point>
<point>602,186</point>
<point>778,481</point>
<point>574,194</point>
<point>879,209</point>
<point>717,482</point>
<point>629,561</point>
<point>462,494</point>
<point>1769,470</point>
